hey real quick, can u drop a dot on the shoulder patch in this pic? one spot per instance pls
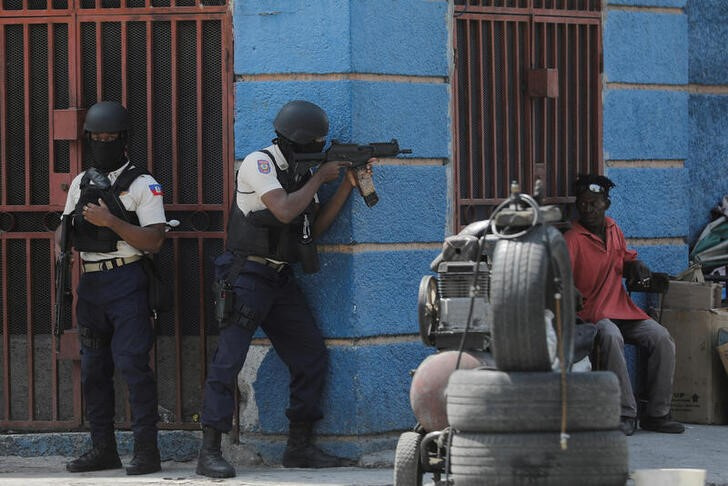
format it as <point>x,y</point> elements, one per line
<point>264,166</point>
<point>156,189</point>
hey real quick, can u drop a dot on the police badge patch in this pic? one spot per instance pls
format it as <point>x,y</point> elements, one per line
<point>264,166</point>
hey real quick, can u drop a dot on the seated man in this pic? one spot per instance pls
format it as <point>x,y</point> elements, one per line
<point>599,259</point>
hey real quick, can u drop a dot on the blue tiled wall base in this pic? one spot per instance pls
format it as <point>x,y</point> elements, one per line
<point>174,445</point>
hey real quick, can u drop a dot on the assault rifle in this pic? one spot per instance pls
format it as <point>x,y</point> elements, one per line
<point>64,297</point>
<point>358,155</point>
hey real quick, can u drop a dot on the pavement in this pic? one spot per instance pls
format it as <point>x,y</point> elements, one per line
<point>700,447</point>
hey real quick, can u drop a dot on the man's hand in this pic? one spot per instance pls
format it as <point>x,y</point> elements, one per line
<point>98,214</point>
<point>351,174</point>
<point>330,170</point>
<point>637,273</point>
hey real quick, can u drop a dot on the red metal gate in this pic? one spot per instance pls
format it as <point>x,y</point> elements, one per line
<point>527,99</point>
<point>169,62</point>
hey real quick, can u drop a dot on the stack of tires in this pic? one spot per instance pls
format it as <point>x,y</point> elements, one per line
<point>506,423</point>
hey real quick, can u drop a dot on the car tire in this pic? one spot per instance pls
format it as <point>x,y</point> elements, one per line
<point>498,401</point>
<point>522,290</point>
<point>407,466</point>
<point>593,458</point>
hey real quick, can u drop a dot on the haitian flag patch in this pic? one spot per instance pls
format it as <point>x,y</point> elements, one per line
<point>156,189</point>
<point>264,166</point>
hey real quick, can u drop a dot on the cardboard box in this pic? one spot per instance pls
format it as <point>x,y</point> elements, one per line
<point>700,388</point>
<point>692,295</point>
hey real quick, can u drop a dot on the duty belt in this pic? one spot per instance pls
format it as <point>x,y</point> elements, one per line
<point>277,266</point>
<point>108,264</point>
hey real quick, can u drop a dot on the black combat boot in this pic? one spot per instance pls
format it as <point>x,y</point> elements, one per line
<point>210,462</point>
<point>102,456</point>
<point>146,458</point>
<point>300,452</point>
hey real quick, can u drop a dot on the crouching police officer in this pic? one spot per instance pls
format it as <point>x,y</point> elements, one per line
<point>116,215</point>
<point>274,221</point>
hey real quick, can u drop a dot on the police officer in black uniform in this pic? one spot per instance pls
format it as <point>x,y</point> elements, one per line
<point>117,215</point>
<point>274,221</point>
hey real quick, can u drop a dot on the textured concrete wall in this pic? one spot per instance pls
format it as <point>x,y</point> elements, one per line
<point>655,52</point>
<point>708,105</point>
<point>646,126</point>
<point>380,71</point>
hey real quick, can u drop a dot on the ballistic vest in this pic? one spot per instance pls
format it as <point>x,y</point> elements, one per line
<point>260,233</point>
<point>89,237</point>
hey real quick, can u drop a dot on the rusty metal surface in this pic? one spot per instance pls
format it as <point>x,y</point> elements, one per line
<point>169,62</point>
<point>527,99</point>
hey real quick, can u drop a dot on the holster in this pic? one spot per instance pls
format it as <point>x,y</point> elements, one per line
<point>93,340</point>
<point>226,310</point>
<point>308,255</point>
<point>223,296</point>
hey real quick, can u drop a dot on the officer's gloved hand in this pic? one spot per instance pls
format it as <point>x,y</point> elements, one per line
<point>638,275</point>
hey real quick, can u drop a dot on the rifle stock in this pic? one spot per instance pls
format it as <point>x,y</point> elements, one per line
<point>64,297</point>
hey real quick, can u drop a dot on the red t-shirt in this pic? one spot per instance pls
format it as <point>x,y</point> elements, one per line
<point>598,272</point>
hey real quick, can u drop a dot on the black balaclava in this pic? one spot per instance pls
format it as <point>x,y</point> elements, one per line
<point>289,148</point>
<point>108,156</point>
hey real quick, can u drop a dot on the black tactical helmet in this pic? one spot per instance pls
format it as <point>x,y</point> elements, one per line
<point>301,122</point>
<point>106,117</point>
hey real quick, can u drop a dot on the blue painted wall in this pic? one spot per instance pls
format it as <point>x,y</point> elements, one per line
<point>708,66</point>
<point>646,117</point>
<point>655,52</point>
<point>650,203</point>
<point>333,53</point>
<point>645,124</point>
<point>658,53</point>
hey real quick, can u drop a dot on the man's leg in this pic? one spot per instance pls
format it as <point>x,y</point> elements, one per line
<point>300,344</point>
<point>131,344</point>
<point>609,355</point>
<point>660,371</point>
<point>97,375</point>
<point>252,301</point>
<point>219,399</point>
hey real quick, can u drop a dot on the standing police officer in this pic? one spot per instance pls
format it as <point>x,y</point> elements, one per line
<point>116,214</point>
<point>273,222</point>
